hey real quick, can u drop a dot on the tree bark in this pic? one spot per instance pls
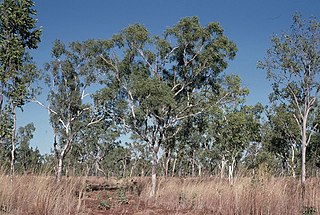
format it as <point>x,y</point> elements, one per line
<point>292,165</point>
<point>167,162</point>
<point>193,165</point>
<point>13,139</point>
<point>59,170</point>
<point>223,164</point>
<point>199,169</point>
<point>174,167</point>
<point>154,174</point>
<point>304,150</point>
<point>231,170</point>
<point>132,168</point>
<point>1,137</point>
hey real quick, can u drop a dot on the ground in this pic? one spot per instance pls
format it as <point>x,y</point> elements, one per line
<point>94,203</point>
<point>124,198</point>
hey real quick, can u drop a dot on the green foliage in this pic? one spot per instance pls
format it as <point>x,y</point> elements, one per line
<point>309,211</point>
<point>182,198</point>
<point>27,158</point>
<point>152,84</point>
<point>104,204</point>
<point>122,197</point>
<point>18,35</point>
<point>293,66</point>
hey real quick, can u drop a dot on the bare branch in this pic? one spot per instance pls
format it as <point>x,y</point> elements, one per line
<point>44,106</point>
<point>143,57</point>
<point>296,101</point>
<point>84,95</point>
<point>51,111</point>
<point>94,122</point>
<point>311,133</point>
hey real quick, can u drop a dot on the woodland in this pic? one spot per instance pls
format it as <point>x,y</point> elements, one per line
<point>162,110</point>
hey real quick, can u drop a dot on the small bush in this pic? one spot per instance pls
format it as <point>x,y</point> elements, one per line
<point>309,211</point>
<point>104,204</point>
<point>122,197</point>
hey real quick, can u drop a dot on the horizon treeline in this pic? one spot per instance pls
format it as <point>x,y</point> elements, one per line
<point>168,93</point>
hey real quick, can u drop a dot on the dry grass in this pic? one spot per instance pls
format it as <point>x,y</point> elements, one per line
<point>245,196</point>
<point>39,195</point>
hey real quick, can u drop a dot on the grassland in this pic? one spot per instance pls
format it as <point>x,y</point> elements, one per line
<point>41,195</point>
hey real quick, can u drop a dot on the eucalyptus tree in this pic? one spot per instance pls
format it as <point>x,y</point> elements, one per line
<point>28,159</point>
<point>156,82</point>
<point>6,125</point>
<point>282,137</point>
<point>190,144</point>
<point>293,66</point>
<point>18,34</point>
<point>94,144</point>
<point>68,79</point>
<point>232,132</point>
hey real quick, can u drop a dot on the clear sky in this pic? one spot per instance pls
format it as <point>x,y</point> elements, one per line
<point>249,23</point>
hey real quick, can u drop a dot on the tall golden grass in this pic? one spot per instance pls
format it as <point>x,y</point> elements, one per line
<point>245,196</point>
<point>39,195</point>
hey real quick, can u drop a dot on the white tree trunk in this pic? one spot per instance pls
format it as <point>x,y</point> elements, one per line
<point>193,165</point>
<point>231,170</point>
<point>13,140</point>
<point>199,169</point>
<point>292,165</point>
<point>222,167</point>
<point>153,180</point>
<point>174,167</point>
<point>59,170</point>
<point>303,150</point>
<point>154,174</point>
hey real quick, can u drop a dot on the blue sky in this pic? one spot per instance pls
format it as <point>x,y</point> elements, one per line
<point>249,23</point>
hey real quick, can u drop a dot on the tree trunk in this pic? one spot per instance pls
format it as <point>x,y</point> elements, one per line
<point>174,167</point>
<point>132,168</point>
<point>180,169</point>
<point>154,174</point>
<point>223,164</point>
<point>303,151</point>
<point>199,169</point>
<point>124,162</point>
<point>1,137</point>
<point>59,170</point>
<point>303,164</point>
<point>231,170</point>
<point>13,139</point>
<point>193,165</point>
<point>292,165</point>
<point>167,162</point>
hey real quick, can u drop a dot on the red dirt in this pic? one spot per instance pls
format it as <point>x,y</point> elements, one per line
<point>133,206</point>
